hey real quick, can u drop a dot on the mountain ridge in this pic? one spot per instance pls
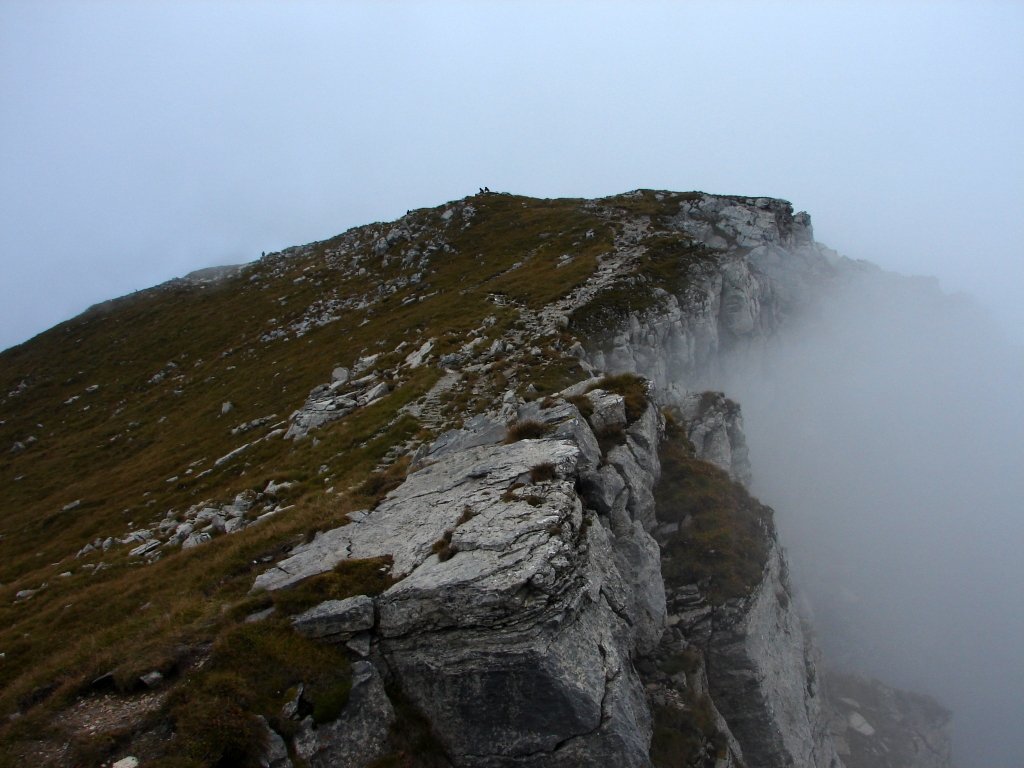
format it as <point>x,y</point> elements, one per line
<point>473,316</point>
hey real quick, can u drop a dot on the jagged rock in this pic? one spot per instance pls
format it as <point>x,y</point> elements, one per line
<point>276,753</point>
<point>273,487</point>
<point>640,501</point>
<point>363,363</point>
<point>567,423</point>
<point>602,488</point>
<point>359,735</point>
<point>714,424</point>
<point>85,550</point>
<point>145,548</point>
<point>360,644</point>
<point>418,357</point>
<point>475,477</point>
<point>234,524</point>
<point>609,410</point>
<point>336,620</point>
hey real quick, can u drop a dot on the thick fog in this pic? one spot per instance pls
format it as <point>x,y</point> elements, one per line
<point>885,428</point>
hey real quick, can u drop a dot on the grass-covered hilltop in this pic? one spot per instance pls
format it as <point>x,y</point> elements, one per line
<point>439,492</point>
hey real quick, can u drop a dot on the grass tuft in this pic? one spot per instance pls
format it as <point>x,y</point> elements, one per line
<point>526,430</point>
<point>633,389</point>
<point>543,472</point>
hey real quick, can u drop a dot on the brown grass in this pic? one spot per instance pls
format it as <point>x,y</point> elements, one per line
<point>724,535</point>
<point>526,430</point>
<point>543,472</point>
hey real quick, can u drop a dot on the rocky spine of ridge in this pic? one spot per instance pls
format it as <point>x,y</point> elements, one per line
<point>523,642</point>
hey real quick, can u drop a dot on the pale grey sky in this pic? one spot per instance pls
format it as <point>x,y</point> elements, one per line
<point>139,141</point>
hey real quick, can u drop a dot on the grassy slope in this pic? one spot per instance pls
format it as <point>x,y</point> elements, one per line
<point>117,454</point>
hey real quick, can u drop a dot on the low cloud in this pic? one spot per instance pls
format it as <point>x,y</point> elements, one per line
<point>885,428</point>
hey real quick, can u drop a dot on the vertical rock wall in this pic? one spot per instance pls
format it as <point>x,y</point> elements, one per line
<point>760,665</point>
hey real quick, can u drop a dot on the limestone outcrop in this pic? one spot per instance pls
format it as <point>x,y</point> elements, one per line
<point>520,609</point>
<point>767,267</point>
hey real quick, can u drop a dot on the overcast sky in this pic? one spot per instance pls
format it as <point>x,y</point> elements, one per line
<point>139,141</point>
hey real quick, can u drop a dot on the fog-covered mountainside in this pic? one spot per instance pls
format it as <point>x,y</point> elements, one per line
<point>447,491</point>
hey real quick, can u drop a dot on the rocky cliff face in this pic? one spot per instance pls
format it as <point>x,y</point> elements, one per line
<point>767,266</point>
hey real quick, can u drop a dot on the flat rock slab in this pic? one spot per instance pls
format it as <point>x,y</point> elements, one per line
<point>336,618</point>
<point>414,517</point>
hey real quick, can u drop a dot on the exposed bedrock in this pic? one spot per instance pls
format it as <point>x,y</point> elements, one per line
<point>520,607</point>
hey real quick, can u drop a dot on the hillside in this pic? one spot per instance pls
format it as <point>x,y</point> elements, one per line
<point>442,491</point>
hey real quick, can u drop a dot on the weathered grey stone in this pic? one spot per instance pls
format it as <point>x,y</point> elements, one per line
<point>640,482</point>
<point>336,619</point>
<point>234,525</point>
<point>360,644</point>
<point>375,392</point>
<point>476,477</point>
<point>359,735</point>
<point>567,423</point>
<point>478,430</point>
<point>276,753</point>
<point>87,549</point>
<point>144,548</point>
<point>602,487</point>
<point>419,356</point>
<point>714,424</point>
<point>552,682</point>
<point>195,539</point>
<point>760,676</point>
<point>609,409</point>
<point>639,561</point>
